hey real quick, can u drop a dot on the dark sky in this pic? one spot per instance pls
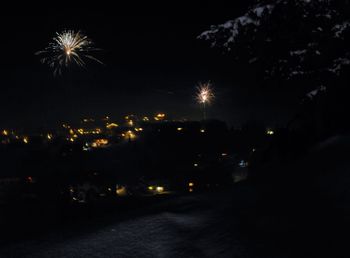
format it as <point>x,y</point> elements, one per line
<point>152,63</point>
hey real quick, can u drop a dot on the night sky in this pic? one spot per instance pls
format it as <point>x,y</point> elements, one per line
<point>152,63</point>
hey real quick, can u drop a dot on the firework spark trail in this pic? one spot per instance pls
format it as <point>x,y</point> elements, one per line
<point>68,47</point>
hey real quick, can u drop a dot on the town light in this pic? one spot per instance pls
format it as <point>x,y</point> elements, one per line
<point>99,143</point>
<point>121,190</point>
<point>111,125</point>
<point>160,189</point>
<point>129,135</point>
<point>159,117</point>
<point>270,132</point>
<point>25,140</point>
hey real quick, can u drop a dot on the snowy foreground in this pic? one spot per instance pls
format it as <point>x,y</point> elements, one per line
<point>221,224</point>
<point>198,225</point>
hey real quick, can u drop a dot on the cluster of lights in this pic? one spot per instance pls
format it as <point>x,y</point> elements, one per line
<point>99,143</point>
<point>130,135</point>
<point>130,120</point>
<point>11,134</point>
<point>243,164</point>
<point>87,120</point>
<point>96,131</point>
<point>270,132</point>
<point>159,117</point>
<point>181,129</point>
<point>74,132</point>
<point>190,186</point>
<point>156,189</point>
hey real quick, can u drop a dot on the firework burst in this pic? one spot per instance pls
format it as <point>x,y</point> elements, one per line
<point>205,93</point>
<point>204,96</point>
<point>68,47</point>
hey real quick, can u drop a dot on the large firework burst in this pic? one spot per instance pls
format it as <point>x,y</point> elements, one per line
<point>68,47</point>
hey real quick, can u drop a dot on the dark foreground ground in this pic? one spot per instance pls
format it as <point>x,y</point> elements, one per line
<point>216,224</point>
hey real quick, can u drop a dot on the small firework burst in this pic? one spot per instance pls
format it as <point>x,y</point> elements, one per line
<point>66,48</point>
<point>205,93</point>
<point>204,96</point>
